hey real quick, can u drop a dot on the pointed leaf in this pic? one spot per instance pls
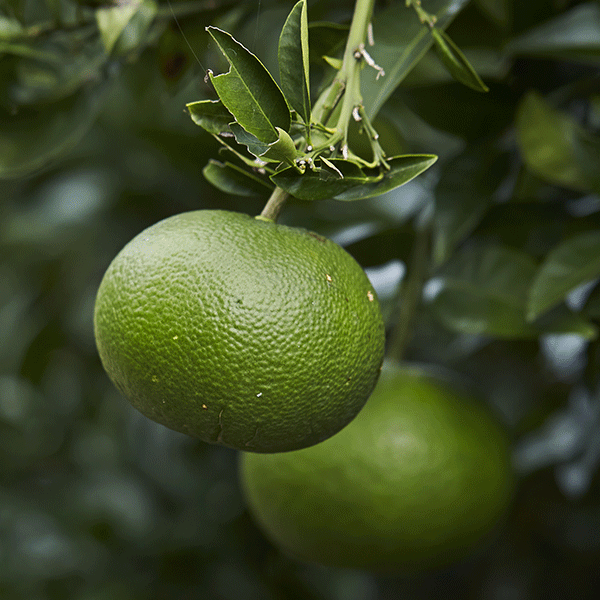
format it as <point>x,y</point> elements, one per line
<point>554,146</point>
<point>572,36</point>
<point>293,61</point>
<point>320,184</point>
<point>483,290</point>
<point>456,62</point>
<point>400,42</point>
<point>230,179</point>
<point>211,115</point>
<point>568,265</point>
<point>402,170</point>
<point>248,90</point>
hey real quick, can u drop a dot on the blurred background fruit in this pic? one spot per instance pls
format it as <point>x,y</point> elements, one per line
<point>416,482</point>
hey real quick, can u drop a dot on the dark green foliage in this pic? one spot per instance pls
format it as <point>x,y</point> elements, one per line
<point>95,145</point>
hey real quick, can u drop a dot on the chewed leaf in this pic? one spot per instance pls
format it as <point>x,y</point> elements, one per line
<point>248,90</point>
<point>230,179</point>
<point>211,115</point>
<point>456,62</point>
<point>402,170</point>
<point>281,150</point>
<point>293,60</point>
<point>254,145</point>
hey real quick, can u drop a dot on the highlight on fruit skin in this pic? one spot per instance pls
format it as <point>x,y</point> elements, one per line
<point>240,331</point>
<point>420,479</point>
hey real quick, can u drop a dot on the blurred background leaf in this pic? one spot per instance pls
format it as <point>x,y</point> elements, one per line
<point>97,502</point>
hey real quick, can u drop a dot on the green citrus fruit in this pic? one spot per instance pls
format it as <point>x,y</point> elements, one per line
<point>239,331</point>
<point>415,482</point>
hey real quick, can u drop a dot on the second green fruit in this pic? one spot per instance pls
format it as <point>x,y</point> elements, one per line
<point>417,481</point>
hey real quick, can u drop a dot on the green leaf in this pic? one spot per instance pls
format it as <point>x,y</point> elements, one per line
<point>483,290</point>
<point>570,264</point>
<point>34,137</point>
<point>563,320</point>
<point>572,36</point>
<point>281,150</point>
<point>230,179</point>
<point>26,51</point>
<point>487,62</point>
<point>345,180</point>
<point>320,184</point>
<point>402,170</point>
<point>248,90</point>
<point>211,115</point>
<point>400,42</point>
<point>293,61</point>
<point>242,137</point>
<point>456,62</point>
<point>554,146</point>
<point>463,195</point>
<point>112,20</point>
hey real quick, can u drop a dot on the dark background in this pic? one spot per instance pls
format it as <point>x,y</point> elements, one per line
<point>97,502</point>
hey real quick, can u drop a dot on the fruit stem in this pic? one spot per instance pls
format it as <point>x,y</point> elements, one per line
<point>274,205</point>
<point>412,288</point>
